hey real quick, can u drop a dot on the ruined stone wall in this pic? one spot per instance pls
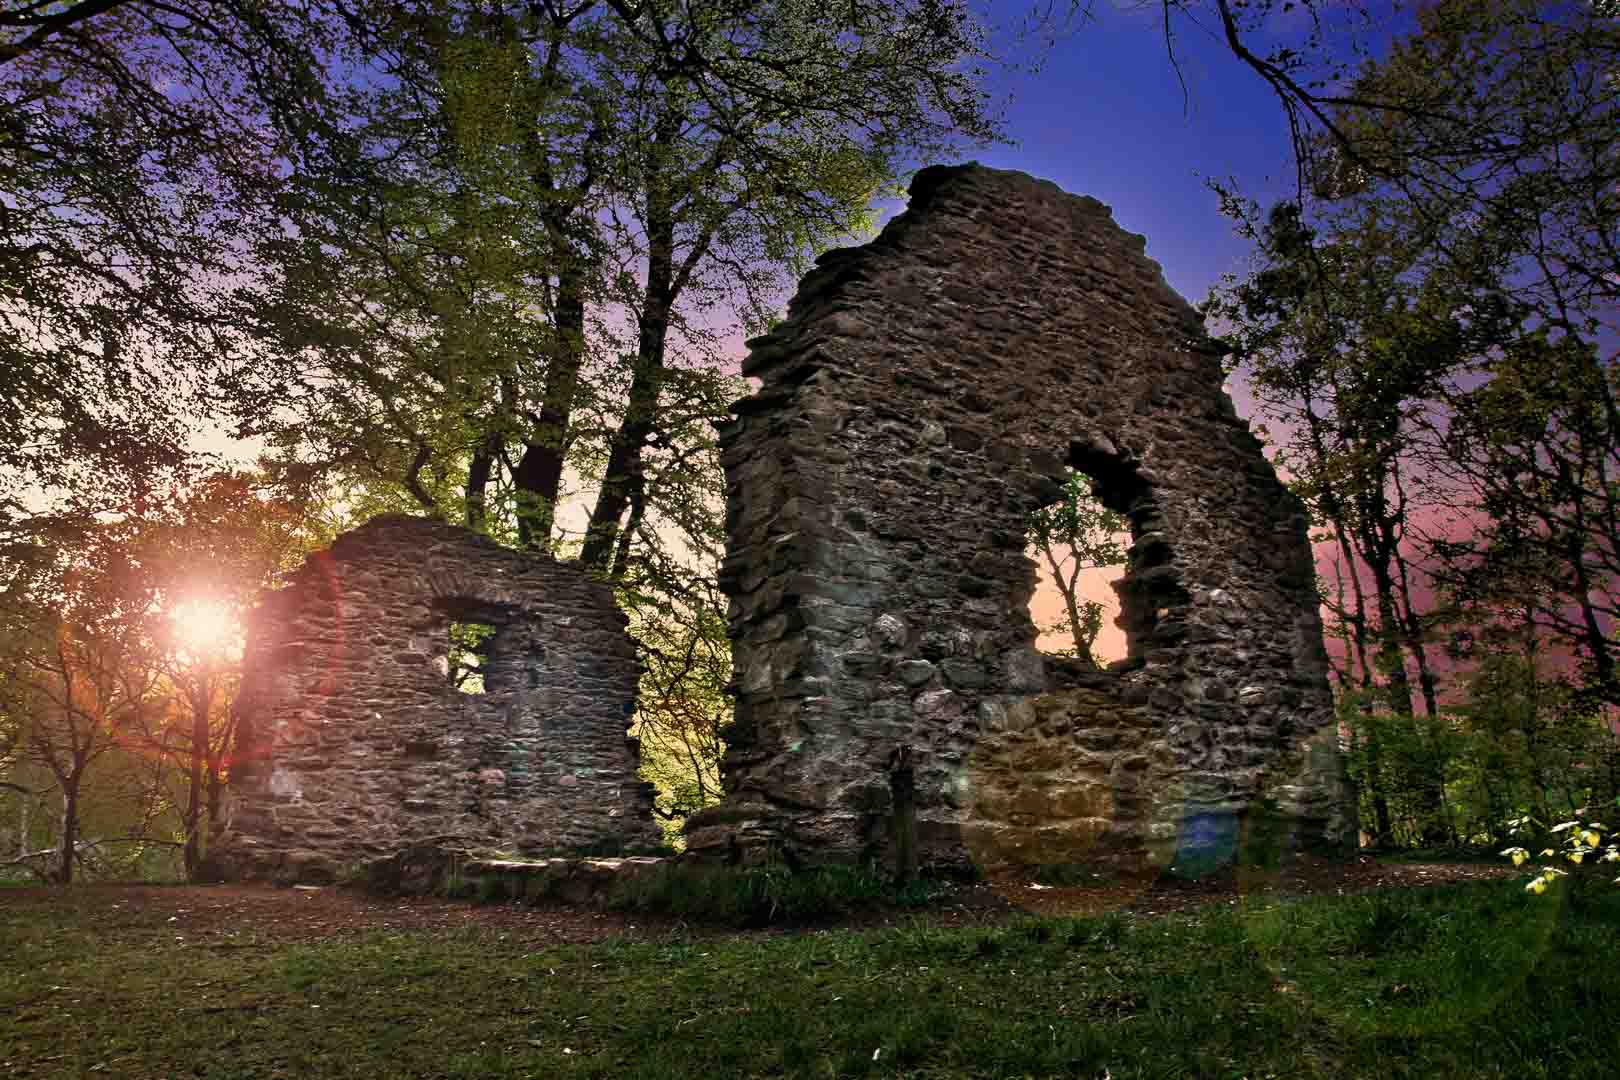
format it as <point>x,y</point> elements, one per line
<point>353,744</point>
<point>922,398</point>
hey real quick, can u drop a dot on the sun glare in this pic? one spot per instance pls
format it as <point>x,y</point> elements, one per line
<point>205,628</point>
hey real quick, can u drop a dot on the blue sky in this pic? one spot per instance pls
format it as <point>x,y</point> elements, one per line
<point>1106,117</point>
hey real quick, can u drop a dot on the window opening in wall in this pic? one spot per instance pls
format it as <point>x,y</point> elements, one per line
<point>1079,547</point>
<point>464,662</point>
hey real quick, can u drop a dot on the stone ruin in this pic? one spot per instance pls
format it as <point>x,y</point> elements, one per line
<point>925,395</point>
<point>357,736</point>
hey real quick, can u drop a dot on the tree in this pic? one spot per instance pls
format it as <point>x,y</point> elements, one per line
<point>80,673</point>
<point>145,143</point>
<point>1073,534</point>
<point>1537,747</point>
<point>121,657</point>
<point>1539,447</point>
<point>1342,342</point>
<point>1434,312</point>
<point>204,559</point>
<point>571,195</point>
<point>523,272</point>
<point>1507,160</point>
<point>1498,132</point>
<point>683,702</point>
<point>134,141</point>
<point>499,247</point>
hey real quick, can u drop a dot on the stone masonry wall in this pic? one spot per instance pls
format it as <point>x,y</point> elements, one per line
<point>923,397</point>
<point>352,743</point>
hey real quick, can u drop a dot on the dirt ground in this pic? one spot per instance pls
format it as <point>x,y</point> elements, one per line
<point>227,916</point>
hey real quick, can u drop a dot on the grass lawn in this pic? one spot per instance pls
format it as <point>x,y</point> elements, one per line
<point>1476,980</point>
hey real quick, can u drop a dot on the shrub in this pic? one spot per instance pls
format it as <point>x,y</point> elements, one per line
<point>1580,845</point>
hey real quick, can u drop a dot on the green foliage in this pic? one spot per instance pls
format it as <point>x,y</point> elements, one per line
<point>464,661</point>
<point>127,189</point>
<point>507,293</point>
<point>1520,743</point>
<point>1540,442</point>
<point>682,704</point>
<point>1391,757</point>
<point>1570,849</point>
<point>1426,322</point>
<point>1495,121</point>
<point>116,719</point>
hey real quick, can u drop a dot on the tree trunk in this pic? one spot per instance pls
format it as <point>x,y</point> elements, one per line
<point>201,700</point>
<point>538,476</point>
<point>1082,647</point>
<point>70,831</point>
<point>1383,835</point>
<point>216,796</point>
<point>1378,544</point>
<point>625,455</point>
<point>479,470</point>
<point>1333,507</point>
<point>627,535</point>
<point>1595,640</point>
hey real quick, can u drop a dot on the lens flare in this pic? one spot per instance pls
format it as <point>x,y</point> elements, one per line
<point>205,628</point>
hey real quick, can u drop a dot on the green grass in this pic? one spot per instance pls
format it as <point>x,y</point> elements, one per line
<point>762,895</point>
<point>1475,981</point>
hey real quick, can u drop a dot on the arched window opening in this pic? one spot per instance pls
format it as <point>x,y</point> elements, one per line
<point>1079,547</point>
